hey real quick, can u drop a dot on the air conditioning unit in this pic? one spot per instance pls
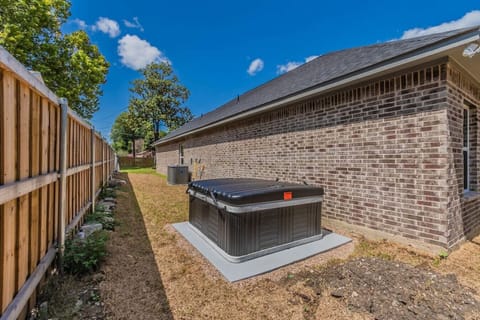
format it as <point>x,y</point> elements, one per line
<point>177,174</point>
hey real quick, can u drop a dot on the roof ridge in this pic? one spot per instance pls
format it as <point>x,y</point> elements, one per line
<point>353,48</point>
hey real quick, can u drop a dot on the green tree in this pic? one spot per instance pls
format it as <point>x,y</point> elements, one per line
<point>126,129</point>
<point>159,97</point>
<point>70,65</point>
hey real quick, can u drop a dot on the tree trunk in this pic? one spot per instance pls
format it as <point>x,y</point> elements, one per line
<point>134,151</point>
<point>156,129</point>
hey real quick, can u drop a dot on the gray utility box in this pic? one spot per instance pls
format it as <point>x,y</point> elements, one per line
<point>247,218</point>
<point>177,174</point>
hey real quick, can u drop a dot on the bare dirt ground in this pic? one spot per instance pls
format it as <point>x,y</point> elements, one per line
<point>151,272</point>
<point>390,290</point>
<point>70,297</point>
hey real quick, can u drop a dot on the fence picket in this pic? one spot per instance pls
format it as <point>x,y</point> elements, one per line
<point>24,172</point>
<point>9,209</point>
<point>52,166</point>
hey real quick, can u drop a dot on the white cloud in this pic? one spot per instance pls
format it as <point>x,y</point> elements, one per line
<point>80,23</point>
<point>470,19</point>
<point>133,24</point>
<point>282,68</point>
<point>136,53</point>
<point>287,66</point>
<point>255,67</point>
<point>107,26</point>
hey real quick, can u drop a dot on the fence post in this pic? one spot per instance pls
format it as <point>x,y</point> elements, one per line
<point>103,163</point>
<point>62,206</point>
<point>116,167</point>
<point>93,169</point>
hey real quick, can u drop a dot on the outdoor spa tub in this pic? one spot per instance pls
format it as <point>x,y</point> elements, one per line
<point>247,218</point>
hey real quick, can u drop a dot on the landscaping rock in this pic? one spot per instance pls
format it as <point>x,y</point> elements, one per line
<point>78,305</point>
<point>105,211</point>
<point>107,206</point>
<point>43,310</point>
<point>117,182</point>
<point>88,229</point>
<point>108,219</point>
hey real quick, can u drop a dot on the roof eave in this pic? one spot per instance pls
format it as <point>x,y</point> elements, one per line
<point>356,76</point>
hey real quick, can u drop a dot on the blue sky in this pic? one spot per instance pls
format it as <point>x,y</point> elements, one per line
<point>221,48</point>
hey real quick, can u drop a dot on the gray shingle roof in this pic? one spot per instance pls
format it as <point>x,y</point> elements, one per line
<point>324,69</point>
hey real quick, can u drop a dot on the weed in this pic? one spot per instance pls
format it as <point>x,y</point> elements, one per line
<point>438,259</point>
<point>94,296</point>
<point>83,256</point>
<point>443,254</point>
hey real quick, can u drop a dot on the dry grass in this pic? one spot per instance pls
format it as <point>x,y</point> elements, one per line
<point>153,273</point>
<point>132,288</point>
<point>464,262</point>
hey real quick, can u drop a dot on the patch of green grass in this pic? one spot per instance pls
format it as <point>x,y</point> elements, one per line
<point>141,171</point>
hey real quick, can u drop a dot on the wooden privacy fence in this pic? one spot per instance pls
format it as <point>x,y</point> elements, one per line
<point>125,162</point>
<point>52,166</point>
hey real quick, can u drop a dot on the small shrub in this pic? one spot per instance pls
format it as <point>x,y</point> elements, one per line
<point>101,217</point>
<point>83,256</point>
<point>107,193</point>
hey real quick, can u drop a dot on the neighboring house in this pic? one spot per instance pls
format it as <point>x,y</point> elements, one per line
<point>389,130</point>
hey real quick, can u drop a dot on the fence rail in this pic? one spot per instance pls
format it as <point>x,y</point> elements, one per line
<point>52,166</point>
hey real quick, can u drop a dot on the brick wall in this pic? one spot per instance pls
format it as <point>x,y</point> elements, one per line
<point>380,150</point>
<point>463,209</point>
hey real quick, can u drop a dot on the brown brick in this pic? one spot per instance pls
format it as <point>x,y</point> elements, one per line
<point>390,162</point>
